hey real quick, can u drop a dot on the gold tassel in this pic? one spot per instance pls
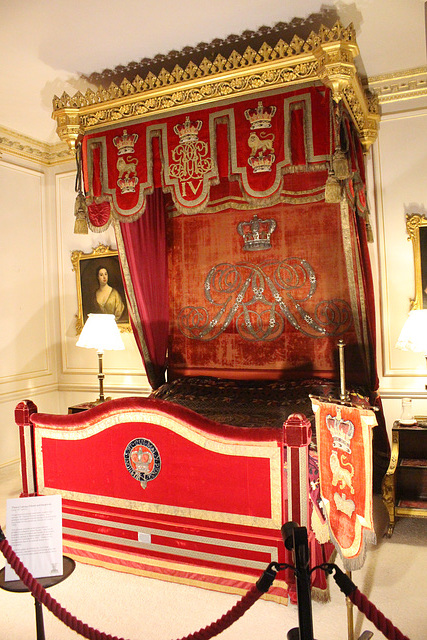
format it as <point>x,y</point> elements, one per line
<point>332,189</point>
<point>319,527</point>
<point>369,233</point>
<point>80,211</point>
<point>340,164</point>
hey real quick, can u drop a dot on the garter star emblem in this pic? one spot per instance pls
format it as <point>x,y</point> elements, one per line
<point>142,460</point>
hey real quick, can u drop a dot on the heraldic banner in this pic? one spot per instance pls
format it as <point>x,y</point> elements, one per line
<point>344,442</point>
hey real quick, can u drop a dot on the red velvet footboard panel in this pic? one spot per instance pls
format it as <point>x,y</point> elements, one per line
<point>153,488</point>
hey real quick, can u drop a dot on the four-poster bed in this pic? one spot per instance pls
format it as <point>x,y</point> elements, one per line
<point>236,187</point>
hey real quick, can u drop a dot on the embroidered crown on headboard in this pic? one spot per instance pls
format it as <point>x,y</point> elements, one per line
<point>256,233</point>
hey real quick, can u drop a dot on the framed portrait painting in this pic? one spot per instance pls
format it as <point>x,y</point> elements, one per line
<point>100,286</point>
<point>416,226</point>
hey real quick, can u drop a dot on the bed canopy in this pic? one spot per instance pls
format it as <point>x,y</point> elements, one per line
<point>233,174</point>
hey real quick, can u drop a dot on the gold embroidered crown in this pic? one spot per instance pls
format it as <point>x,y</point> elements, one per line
<point>128,183</point>
<point>125,143</point>
<point>341,431</point>
<point>261,164</point>
<point>188,131</point>
<point>260,118</point>
<point>256,233</point>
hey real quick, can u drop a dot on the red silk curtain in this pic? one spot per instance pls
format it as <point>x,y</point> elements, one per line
<point>142,249</point>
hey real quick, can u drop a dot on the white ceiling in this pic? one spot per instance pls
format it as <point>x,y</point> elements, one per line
<point>47,45</point>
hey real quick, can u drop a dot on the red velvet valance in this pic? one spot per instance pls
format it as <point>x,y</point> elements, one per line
<point>263,145</point>
<point>268,276</point>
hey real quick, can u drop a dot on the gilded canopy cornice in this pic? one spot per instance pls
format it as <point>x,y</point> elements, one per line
<point>327,56</point>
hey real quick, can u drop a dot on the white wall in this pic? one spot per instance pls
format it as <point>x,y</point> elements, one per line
<point>400,171</point>
<point>28,265</point>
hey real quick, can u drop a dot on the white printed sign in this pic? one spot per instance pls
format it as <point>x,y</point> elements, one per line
<point>34,531</point>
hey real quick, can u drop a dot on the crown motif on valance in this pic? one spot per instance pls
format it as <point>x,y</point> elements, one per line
<point>260,118</point>
<point>188,131</point>
<point>128,183</point>
<point>125,143</point>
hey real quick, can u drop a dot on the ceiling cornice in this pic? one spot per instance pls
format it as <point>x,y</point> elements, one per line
<point>19,145</point>
<point>400,85</point>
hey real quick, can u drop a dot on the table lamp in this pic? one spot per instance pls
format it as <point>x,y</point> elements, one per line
<point>101,332</point>
<point>413,337</point>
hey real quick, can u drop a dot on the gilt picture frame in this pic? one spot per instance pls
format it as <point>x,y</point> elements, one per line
<point>416,227</point>
<point>94,271</point>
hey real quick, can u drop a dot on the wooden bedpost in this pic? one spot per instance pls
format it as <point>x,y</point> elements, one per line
<point>23,413</point>
<point>297,437</point>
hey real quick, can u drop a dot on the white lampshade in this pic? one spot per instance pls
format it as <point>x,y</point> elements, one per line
<point>413,336</point>
<point>101,332</point>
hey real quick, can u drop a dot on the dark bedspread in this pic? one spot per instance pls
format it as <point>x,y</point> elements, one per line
<point>249,403</point>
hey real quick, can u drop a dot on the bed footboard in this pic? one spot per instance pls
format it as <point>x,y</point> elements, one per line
<point>155,489</point>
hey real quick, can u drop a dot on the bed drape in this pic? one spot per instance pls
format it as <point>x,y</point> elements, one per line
<point>234,264</point>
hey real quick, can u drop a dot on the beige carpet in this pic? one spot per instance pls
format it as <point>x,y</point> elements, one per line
<point>135,608</point>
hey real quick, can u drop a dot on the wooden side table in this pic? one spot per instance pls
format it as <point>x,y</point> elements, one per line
<point>84,406</point>
<point>404,486</point>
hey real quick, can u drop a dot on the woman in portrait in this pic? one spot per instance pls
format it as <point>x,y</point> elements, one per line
<point>107,299</point>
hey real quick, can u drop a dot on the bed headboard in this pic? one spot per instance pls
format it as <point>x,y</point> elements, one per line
<point>236,187</point>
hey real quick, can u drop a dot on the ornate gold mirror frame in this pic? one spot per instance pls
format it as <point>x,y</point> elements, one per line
<point>326,56</point>
<point>416,226</point>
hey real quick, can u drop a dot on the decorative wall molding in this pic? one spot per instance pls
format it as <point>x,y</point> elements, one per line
<point>400,85</point>
<point>25,391</point>
<point>137,389</point>
<point>43,153</point>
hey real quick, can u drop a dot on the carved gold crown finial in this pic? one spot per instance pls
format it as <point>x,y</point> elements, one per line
<point>69,127</point>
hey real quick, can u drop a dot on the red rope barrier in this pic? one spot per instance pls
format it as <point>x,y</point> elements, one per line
<point>345,584</point>
<point>40,593</point>
<point>371,612</point>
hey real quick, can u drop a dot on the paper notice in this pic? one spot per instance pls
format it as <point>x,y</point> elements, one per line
<point>34,531</point>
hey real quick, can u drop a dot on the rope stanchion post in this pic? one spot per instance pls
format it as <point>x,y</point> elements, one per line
<point>350,620</point>
<point>295,539</point>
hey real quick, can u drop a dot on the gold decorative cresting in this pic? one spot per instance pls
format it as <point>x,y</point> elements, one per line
<point>327,56</point>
